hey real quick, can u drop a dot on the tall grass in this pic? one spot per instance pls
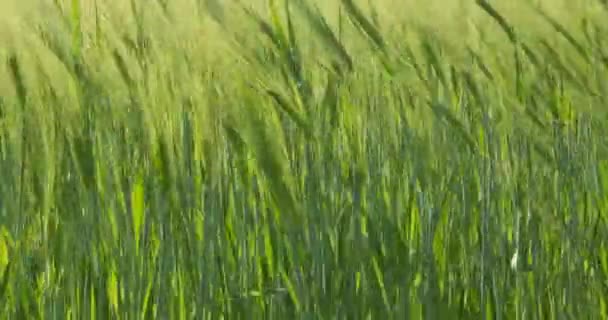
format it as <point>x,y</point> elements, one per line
<point>210,159</point>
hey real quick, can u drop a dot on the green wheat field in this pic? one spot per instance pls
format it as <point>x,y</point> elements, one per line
<point>304,159</point>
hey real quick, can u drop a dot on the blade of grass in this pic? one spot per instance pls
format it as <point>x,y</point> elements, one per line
<point>326,34</point>
<point>564,32</point>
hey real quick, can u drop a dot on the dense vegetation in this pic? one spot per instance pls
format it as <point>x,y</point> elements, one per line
<point>241,160</point>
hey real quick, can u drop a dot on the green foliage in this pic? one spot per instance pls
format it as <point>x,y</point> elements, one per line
<point>287,158</point>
